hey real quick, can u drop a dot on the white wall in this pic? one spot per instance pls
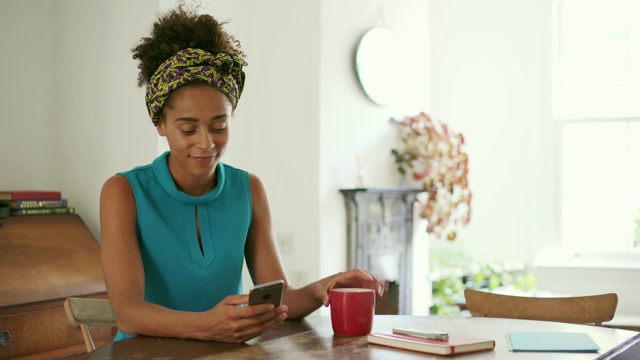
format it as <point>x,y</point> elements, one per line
<point>102,122</point>
<point>28,126</point>
<point>303,117</point>
<point>490,79</point>
<point>73,116</point>
<point>350,124</point>
<point>301,100</point>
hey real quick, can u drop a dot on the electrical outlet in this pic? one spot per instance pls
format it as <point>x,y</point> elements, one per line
<point>285,242</point>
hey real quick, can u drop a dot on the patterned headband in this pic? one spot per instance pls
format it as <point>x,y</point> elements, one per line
<point>223,71</point>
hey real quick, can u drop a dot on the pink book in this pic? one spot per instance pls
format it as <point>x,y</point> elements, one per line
<point>456,344</point>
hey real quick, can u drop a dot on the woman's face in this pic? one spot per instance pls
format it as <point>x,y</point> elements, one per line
<point>196,124</point>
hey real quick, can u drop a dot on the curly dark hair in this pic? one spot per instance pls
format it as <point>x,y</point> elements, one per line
<point>178,29</point>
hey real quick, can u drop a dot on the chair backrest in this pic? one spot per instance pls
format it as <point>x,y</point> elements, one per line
<point>88,313</point>
<point>593,309</point>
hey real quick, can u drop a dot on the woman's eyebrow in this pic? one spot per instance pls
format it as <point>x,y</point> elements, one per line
<point>193,119</point>
<point>220,117</point>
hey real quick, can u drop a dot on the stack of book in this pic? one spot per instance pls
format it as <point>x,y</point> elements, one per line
<point>36,202</point>
<point>436,343</point>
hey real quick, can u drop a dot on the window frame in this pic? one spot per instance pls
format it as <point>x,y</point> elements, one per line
<point>559,123</point>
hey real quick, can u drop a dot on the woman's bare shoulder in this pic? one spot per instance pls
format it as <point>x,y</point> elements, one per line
<point>258,189</point>
<point>116,189</point>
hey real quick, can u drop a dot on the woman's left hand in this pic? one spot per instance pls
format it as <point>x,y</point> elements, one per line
<point>355,278</point>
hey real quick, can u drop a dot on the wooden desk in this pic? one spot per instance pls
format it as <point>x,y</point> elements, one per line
<point>313,339</point>
<point>44,259</point>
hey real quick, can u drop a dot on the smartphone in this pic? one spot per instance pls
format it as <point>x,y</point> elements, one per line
<point>267,293</point>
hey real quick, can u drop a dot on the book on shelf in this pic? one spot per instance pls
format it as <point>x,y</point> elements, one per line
<point>44,211</point>
<point>37,204</point>
<point>14,195</point>
<point>457,344</point>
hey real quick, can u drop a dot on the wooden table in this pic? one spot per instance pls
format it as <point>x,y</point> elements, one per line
<point>313,338</point>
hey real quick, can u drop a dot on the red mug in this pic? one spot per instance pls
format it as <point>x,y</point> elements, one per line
<point>352,311</point>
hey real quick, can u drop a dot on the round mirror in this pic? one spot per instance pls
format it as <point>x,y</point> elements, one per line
<point>379,65</point>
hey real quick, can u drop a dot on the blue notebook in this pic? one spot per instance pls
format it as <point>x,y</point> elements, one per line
<point>551,342</point>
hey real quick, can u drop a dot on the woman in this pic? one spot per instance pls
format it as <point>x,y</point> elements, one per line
<point>175,232</point>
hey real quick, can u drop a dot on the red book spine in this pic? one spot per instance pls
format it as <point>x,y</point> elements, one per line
<point>30,195</point>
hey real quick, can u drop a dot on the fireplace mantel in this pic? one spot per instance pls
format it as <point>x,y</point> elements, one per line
<point>380,223</point>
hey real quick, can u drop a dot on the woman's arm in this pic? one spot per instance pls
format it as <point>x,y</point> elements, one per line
<point>265,264</point>
<point>124,277</point>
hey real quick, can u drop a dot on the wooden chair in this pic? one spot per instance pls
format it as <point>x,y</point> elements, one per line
<point>594,309</point>
<point>89,313</point>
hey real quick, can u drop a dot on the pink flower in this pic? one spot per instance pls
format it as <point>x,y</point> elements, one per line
<point>436,156</point>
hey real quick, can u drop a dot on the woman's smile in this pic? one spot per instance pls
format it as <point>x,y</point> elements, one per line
<point>206,159</point>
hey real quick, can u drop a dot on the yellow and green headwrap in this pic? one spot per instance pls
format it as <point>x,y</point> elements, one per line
<point>223,71</point>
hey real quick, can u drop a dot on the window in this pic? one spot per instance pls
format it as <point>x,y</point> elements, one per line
<point>596,106</point>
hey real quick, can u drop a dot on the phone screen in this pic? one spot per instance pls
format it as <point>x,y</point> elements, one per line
<point>267,293</point>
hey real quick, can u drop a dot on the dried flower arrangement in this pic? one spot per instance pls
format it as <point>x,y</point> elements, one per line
<point>436,156</point>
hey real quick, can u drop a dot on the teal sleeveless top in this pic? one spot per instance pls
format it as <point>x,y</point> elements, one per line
<point>179,273</point>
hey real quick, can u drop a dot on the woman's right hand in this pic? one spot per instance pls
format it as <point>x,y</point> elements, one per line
<point>233,321</point>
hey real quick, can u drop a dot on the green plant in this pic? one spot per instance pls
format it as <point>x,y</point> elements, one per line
<point>452,272</point>
<point>446,294</point>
